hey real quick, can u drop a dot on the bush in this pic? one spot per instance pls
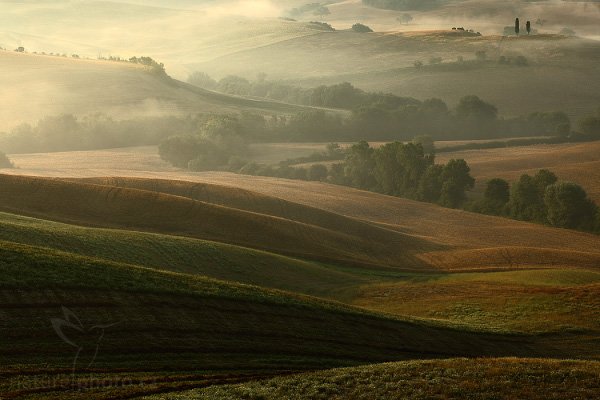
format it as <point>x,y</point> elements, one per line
<point>590,125</point>
<point>527,197</point>
<point>179,150</point>
<point>360,28</point>
<point>426,143</point>
<point>317,172</point>
<point>323,26</point>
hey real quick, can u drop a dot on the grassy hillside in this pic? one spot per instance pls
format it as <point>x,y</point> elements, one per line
<point>108,206</point>
<point>447,379</point>
<point>541,298</point>
<point>577,162</point>
<point>36,86</point>
<point>483,272</point>
<point>444,226</point>
<point>165,330</point>
<point>183,255</point>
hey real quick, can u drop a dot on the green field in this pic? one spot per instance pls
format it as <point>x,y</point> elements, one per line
<point>447,379</point>
<point>125,277</point>
<point>190,330</point>
<point>200,311</point>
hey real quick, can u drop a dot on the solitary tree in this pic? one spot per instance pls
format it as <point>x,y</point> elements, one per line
<point>528,27</point>
<point>517,26</point>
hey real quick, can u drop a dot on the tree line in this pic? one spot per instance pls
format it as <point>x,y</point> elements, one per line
<point>384,116</point>
<point>99,131</point>
<point>541,198</point>
<point>409,171</point>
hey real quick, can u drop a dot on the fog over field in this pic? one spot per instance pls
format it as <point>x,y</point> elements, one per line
<point>261,199</point>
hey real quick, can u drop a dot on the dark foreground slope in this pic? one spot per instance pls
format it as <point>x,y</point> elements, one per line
<point>69,319</point>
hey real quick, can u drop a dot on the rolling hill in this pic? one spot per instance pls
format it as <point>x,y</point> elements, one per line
<point>544,273</point>
<point>124,277</point>
<point>134,209</point>
<point>192,331</point>
<point>35,86</point>
<point>384,61</point>
<point>237,38</point>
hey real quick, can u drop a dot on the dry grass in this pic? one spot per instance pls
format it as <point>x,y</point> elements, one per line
<point>481,301</point>
<point>508,258</point>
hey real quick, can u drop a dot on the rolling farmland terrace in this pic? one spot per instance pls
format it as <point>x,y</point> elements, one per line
<point>124,277</point>
<point>466,285</point>
<point>255,41</point>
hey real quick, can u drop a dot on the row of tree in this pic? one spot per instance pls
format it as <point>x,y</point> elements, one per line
<point>343,95</point>
<point>431,117</point>
<point>406,170</point>
<point>542,199</point>
<point>396,169</point>
<point>380,116</point>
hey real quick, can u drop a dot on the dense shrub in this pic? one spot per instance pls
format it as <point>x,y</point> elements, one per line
<point>360,28</point>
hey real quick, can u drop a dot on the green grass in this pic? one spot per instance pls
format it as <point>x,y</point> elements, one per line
<point>528,300</point>
<point>192,328</point>
<point>545,300</point>
<point>359,243</point>
<point>447,379</point>
<point>181,254</point>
